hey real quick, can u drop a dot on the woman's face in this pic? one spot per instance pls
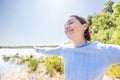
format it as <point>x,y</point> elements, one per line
<point>74,29</point>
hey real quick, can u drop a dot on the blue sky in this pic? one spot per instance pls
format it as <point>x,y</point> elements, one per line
<point>40,22</point>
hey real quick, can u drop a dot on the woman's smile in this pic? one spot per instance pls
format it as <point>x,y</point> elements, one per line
<point>69,31</point>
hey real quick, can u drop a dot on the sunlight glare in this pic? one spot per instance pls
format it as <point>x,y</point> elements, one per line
<point>56,3</point>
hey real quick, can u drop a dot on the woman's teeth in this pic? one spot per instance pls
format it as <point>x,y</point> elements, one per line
<point>70,32</point>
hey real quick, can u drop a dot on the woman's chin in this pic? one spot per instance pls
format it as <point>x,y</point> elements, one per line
<point>69,37</point>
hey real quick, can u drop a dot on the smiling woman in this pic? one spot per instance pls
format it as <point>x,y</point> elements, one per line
<point>83,60</point>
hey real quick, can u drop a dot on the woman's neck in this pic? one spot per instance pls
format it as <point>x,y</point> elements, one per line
<point>79,42</point>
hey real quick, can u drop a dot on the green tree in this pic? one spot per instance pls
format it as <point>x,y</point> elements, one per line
<point>106,28</point>
<point>116,9</point>
<point>89,18</point>
<point>108,6</point>
<point>101,27</point>
<point>116,19</point>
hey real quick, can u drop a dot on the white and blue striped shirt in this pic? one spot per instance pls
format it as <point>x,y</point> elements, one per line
<point>87,62</point>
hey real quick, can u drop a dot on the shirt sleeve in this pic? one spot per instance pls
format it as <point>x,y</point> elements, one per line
<point>114,53</point>
<point>52,51</point>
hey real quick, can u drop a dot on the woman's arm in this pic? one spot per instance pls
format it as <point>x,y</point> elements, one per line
<point>52,51</point>
<point>114,53</point>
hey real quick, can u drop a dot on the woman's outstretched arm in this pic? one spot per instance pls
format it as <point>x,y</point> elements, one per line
<point>52,51</point>
<point>114,53</point>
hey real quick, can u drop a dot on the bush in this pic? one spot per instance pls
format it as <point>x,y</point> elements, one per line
<point>114,71</point>
<point>29,60</point>
<point>6,58</point>
<point>54,63</point>
<point>33,64</point>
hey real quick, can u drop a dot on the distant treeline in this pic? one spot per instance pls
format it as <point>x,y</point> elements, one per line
<point>28,46</point>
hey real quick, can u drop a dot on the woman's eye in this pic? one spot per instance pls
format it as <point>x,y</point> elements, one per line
<point>70,23</point>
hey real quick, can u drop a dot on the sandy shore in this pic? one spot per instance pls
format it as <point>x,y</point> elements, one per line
<point>40,74</point>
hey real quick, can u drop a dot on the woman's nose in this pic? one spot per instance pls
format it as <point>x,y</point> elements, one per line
<point>66,27</point>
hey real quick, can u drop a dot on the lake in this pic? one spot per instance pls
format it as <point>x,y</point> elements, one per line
<point>7,68</point>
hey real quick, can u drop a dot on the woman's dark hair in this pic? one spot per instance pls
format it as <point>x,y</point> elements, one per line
<point>83,21</point>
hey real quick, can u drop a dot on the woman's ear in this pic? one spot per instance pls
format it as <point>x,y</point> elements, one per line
<point>85,26</point>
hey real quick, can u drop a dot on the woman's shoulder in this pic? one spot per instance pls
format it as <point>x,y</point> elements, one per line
<point>104,45</point>
<point>100,45</point>
<point>95,44</point>
<point>90,44</point>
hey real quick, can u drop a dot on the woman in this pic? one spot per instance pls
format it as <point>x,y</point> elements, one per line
<point>84,60</point>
